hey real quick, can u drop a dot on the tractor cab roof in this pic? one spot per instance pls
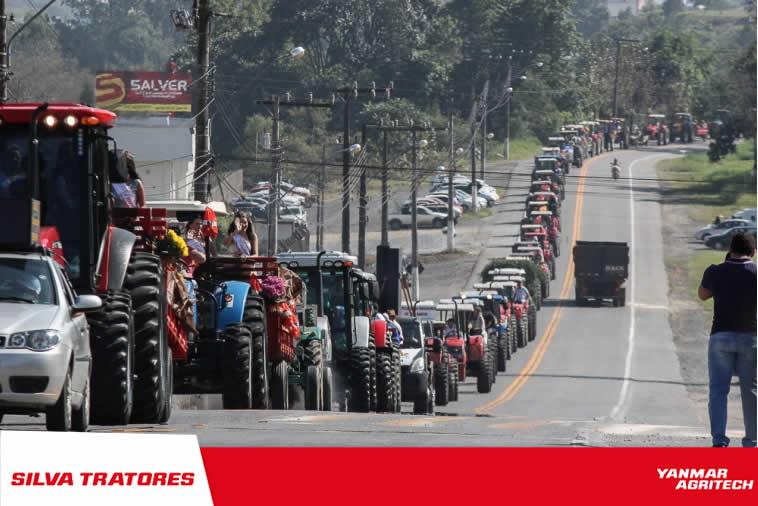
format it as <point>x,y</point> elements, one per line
<point>22,113</point>
<point>506,270</point>
<point>294,259</point>
<point>172,206</point>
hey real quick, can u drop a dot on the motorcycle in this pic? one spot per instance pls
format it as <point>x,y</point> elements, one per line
<point>615,170</point>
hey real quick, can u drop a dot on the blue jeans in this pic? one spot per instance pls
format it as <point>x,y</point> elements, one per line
<point>728,353</point>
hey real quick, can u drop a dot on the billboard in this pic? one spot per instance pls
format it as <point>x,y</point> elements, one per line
<point>140,91</point>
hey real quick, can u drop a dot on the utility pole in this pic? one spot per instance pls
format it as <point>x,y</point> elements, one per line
<point>4,57</point>
<point>509,91</point>
<point>203,17</point>
<point>362,202</point>
<point>618,41</point>
<point>276,156</point>
<point>450,176</point>
<point>320,204</point>
<point>414,129</point>
<point>474,200</point>
<point>5,45</point>
<point>349,93</point>
<point>414,219</point>
<point>385,192</point>
<point>274,190</point>
<point>483,149</point>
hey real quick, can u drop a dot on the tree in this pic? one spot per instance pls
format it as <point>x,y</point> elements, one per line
<point>672,7</point>
<point>118,34</point>
<point>41,71</point>
<point>591,16</point>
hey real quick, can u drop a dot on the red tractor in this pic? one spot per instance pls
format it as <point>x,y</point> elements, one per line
<point>65,163</point>
<point>480,350</point>
<point>544,248</point>
<point>454,338</point>
<point>445,364</point>
<point>523,315</point>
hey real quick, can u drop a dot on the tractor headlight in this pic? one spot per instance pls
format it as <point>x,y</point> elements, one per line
<point>417,365</point>
<point>36,340</point>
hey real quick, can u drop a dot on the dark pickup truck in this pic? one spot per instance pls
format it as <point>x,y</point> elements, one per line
<point>601,268</point>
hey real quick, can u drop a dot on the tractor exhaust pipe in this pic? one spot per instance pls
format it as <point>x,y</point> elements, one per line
<point>34,152</point>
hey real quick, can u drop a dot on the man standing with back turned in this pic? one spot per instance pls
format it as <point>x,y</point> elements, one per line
<point>732,347</point>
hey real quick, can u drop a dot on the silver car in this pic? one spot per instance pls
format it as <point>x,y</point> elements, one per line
<point>45,358</point>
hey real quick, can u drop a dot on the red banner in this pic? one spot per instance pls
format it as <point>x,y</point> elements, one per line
<point>464,476</point>
<point>141,91</point>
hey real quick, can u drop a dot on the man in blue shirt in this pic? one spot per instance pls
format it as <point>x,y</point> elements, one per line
<point>520,294</point>
<point>732,345</point>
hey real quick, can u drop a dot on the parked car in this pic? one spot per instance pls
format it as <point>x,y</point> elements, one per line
<point>466,200</point>
<point>723,239</point>
<point>292,214</point>
<point>425,217</point>
<point>45,357</point>
<point>745,214</point>
<point>443,198</point>
<point>712,229</point>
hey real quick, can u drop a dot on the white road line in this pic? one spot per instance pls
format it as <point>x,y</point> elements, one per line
<point>617,410</point>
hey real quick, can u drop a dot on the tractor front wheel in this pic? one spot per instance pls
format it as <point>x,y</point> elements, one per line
<point>453,380</point>
<point>313,388</point>
<point>502,354</point>
<point>441,385</point>
<point>484,376</point>
<point>237,357</point>
<point>280,385</point>
<point>112,348</point>
<point>327,379</point>
<point>360,380</point>
<point>144,280</point>
<point>313,385</point>
<point>385,384</point>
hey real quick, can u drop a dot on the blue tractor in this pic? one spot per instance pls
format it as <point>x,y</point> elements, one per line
<point>228,353</point>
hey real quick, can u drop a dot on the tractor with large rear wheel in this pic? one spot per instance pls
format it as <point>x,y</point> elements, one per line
<point>332,287</point>
<point>64,159</point>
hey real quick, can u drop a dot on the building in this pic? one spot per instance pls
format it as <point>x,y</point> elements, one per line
<point>162,148</point>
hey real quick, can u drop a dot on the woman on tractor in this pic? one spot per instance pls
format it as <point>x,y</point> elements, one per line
<point>193,234</point>
<point>241,240</point>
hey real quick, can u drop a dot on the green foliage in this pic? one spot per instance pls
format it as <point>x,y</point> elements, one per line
<point>533,273</point>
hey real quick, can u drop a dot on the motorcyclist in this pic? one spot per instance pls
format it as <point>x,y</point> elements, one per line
<point>615,168</point>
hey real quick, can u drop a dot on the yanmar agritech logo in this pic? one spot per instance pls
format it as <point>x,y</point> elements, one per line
<point>701,478</point>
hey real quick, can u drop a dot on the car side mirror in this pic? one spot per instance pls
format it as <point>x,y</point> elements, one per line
<point>86,303</point>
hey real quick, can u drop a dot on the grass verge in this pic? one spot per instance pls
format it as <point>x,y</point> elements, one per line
<point>711,189</point>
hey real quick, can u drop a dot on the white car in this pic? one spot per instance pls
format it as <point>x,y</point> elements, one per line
<point>709,230</point>
<point>285,198</point>
<point>745,214</point>
<point>425,217</point>
<point>45,358</point>
<point>292,214</point>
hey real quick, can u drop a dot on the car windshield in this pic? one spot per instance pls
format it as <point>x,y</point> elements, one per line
<point>26,281</point>
<point>411,334</point>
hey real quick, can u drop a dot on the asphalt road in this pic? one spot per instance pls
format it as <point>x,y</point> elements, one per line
<point>595,376</point>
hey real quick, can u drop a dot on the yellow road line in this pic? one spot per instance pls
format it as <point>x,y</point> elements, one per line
<point>547,336</point>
